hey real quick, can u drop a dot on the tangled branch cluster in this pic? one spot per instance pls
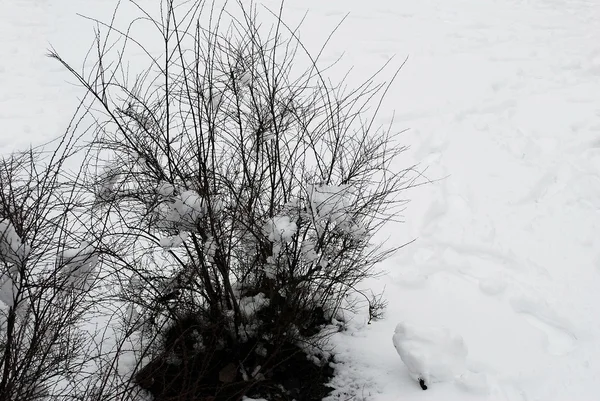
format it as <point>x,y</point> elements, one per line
<point>225,208</point>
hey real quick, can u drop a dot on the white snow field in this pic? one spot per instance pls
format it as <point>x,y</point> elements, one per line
<point>502,99</point>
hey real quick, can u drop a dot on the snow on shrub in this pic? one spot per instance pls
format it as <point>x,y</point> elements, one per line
<point>12,254</point>
<point>174,241</point>
<point>78,265</point>
<point>250,305</point>
<point>181,212</point>
<point>166,189</point>
<point>280,229</point>
<point>337,205</point>
<point>8,286</point>
<point>185,209</point>
<point>330,202</point>
<point>12,248</point>
<point>106,182</point>
<point>308,251</point>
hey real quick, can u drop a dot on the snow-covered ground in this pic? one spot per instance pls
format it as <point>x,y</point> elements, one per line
<point>502,99</point>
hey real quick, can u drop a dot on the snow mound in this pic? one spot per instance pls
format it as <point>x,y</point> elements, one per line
<point>431,354</point>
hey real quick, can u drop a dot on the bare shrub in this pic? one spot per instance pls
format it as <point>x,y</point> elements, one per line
<point>237,196</point>
<point>48,273</point>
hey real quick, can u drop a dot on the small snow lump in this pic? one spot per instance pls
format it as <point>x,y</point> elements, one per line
<point>431,354</point>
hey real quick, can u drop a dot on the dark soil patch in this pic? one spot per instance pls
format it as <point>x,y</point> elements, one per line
<point>220,371</point>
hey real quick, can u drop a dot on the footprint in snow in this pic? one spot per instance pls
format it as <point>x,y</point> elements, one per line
<point>560,339</point>
<point>492,285</point>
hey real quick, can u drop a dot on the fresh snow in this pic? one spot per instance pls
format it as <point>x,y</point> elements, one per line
<point>502,103</point>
